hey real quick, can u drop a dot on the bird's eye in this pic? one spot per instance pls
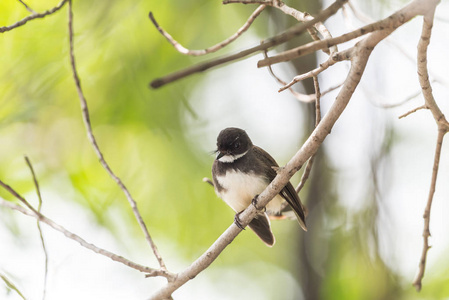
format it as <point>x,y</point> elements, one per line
<point>236,145</point>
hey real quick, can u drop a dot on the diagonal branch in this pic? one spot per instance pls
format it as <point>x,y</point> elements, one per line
<point>391,22</point>
<point>42,218</point>
<point>336,57</point>
<point>301,97</point>
<point>27,7</point>
<point>271,42</point>
<point>33,16</point>
<point>211,49</point>
<point>360,55</point>
<point>93,141</point>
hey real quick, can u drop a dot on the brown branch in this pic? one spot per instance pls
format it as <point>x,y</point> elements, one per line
<point>211,49</point>
<point>412,111</point>
<point>39,207</point>
<point>339,56</point>
<point>360,54</point>
<point>390,23</point>
<point>443,128</point>
<point>27,7</point>
<point>33,16</point>
<point>309,165</point>
<point>271,42</point>
<point>417,283</point>
<point>42,218</point>
<point>299,96</point>
<point>93,142</point>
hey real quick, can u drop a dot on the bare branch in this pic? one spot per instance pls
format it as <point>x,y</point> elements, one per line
<point>12,286</point>
<point>301,97</point>
<point>33,16</point>
<point>443,128</point>
<point>412,111</point>
<point>42,218</point>
<point>214,48</point>
<point>417,283</point>
<point>27,7</point>
<point>39,207</point>
<point>86,119</point>
<point>339,56</point>
<point>309,165</point>
<point>390,23</point>
<point>360,55</point>
<point>271,42</point>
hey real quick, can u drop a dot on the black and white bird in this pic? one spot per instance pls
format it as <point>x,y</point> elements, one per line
<point>241,171</point>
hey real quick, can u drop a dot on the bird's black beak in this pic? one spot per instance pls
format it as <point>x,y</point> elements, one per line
<point>220,154</point>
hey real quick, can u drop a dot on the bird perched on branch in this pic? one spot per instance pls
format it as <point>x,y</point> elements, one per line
<point>241,171</point>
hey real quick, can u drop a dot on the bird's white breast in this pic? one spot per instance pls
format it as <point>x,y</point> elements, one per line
<point>240,188</point>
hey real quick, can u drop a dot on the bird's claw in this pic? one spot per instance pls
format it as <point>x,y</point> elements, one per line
<point>255,202</point>
<point>237,221</point>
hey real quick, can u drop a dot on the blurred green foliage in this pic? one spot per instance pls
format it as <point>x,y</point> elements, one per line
<point>142,135</point>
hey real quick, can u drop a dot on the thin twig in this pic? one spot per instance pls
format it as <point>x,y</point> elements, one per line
<point>27,7</point>
<point>309,165</point>
<point>417,283</point>
<point>87,123</point>
<point>331,89</point>
<point>271,42</point>
<point>443,128</point>
<point>336,57</point>
<point>12,286</point>
<point>211,49</point>
<point>33,16</point>
<point>39,216</point>
<point>412,111</point>
<point>299,96</point>
<point>39,207</point>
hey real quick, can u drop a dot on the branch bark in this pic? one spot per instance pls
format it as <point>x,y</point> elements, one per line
<point>93,142</point>
<point>271,42</point>
<point>33,16</point>
<point>443,128</point>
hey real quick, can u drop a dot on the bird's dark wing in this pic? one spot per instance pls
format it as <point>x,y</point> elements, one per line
<point>261,226</point>
<point>288,192</point>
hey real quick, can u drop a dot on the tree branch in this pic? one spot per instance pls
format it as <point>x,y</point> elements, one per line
<point>93,142</point>
<point>443,128</point>
<point>214,48</point>
<point>39,207</point>
<point>42,218</point>
<point>33,16</point>
<point>271,42</point>
<point>27,7</point>
<point>360,55</point>
<point>339,56</point>
<point>392,22</point>
<point>309,165</point>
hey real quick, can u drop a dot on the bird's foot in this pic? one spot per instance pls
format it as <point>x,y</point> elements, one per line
<point>237,220</point>
<point>255,203</point>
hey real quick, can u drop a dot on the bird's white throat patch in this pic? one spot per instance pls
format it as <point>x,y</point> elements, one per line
<point>231,158</point>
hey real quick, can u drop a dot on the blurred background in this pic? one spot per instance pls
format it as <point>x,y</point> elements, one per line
<point>366,194</point>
